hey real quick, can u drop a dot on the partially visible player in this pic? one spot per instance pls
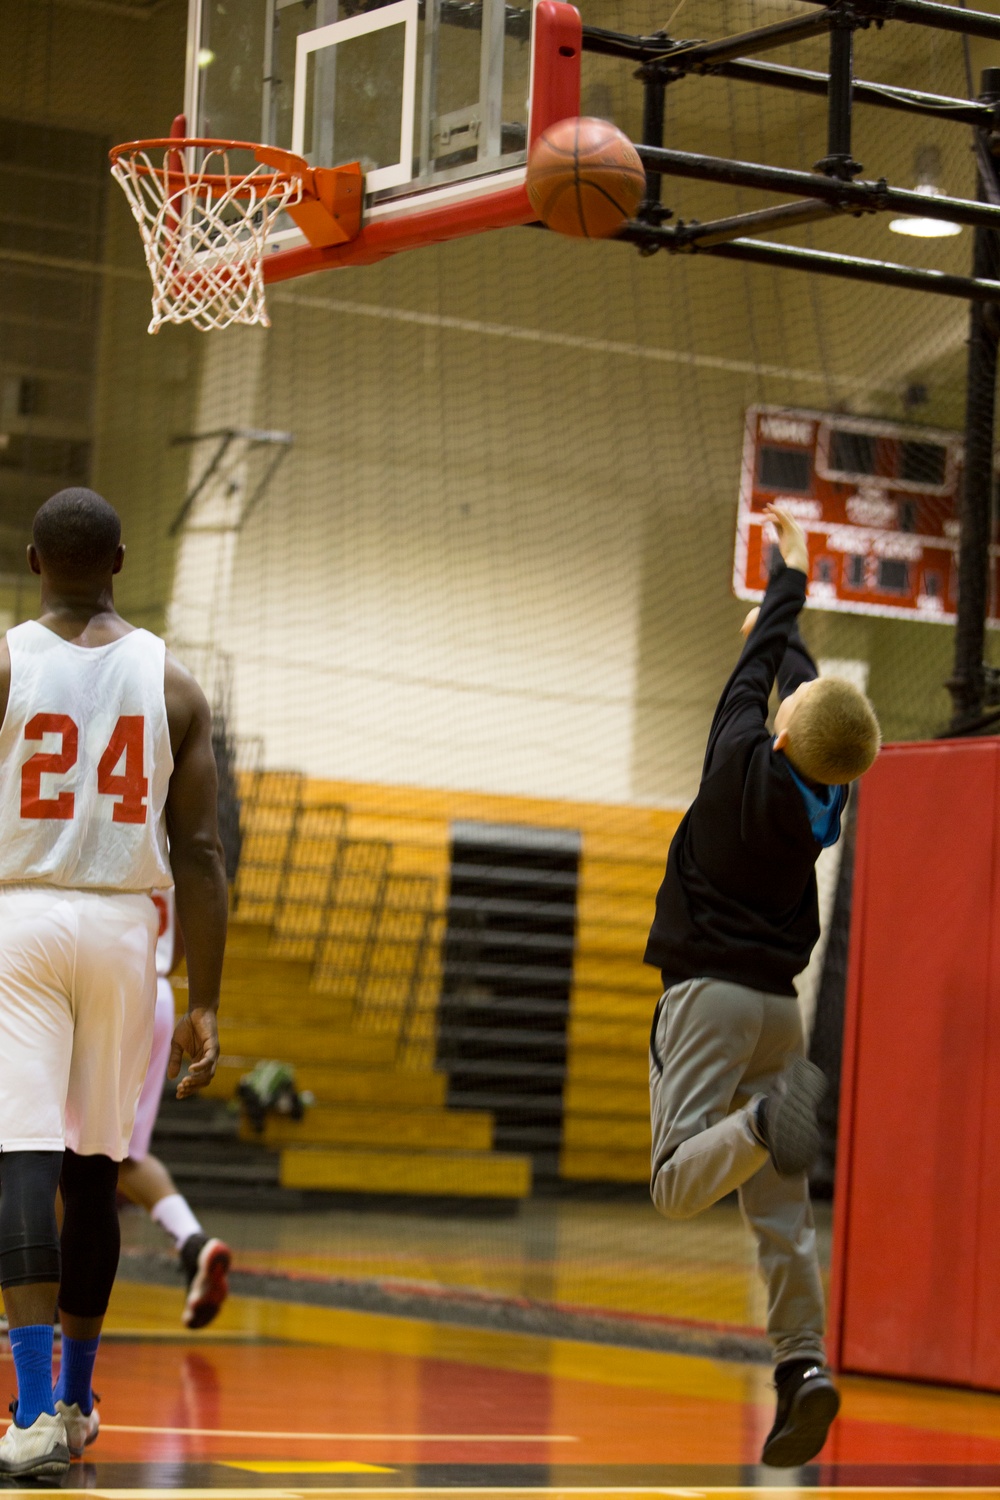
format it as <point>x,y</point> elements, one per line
<point>143,1178</point>
<point>105,752</point>
<point>733,1100</point>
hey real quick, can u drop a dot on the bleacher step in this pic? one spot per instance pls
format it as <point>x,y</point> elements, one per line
<point>309,1044</point>
<point>604,1166</point>
<point>429,1173</point>
<point>386,1128</point>
<point>332,1085</point>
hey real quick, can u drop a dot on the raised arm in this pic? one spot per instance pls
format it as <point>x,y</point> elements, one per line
<point>742,708</point>
<point>797,666</point>
<point>197,862</point>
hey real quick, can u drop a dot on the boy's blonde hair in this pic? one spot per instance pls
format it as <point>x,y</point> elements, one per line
<point>833,735</point>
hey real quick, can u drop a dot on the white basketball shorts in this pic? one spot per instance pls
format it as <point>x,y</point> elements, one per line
<point>77,994</point>
<point>156,1073</point>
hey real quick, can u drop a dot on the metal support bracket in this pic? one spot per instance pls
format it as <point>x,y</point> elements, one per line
<point>838,161</point>
<point>654,81</point>
<point>233,444</point>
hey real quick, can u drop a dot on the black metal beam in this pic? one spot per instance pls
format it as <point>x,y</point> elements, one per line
<point>654,87</point>
<point>823,263</point>
<point>640,49</point>
<point>699,56</point>
<point>851,197</point>
<point>838,161</point>
<point>710,54</point>
<point>929,13</point>
<point>783,216</point>
<point>967,683</point>
<point>882,95</point>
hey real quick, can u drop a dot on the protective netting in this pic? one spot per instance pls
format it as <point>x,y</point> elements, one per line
<point>204,220</point>
<point>478,618</point>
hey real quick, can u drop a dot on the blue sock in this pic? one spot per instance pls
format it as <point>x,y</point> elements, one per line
<point>32,1351</point>
<point>75,1371</point>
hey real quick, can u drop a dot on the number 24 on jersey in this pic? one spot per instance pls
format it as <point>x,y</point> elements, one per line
<point>130,785</point>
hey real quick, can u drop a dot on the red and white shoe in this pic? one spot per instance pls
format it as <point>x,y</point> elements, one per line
<point>206,1262</point>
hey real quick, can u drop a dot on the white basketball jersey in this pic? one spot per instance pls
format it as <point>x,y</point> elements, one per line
<point>165,942</point>
<point>85,763</point>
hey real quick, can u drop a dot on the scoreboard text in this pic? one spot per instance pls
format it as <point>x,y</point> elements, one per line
<point>878,502</point>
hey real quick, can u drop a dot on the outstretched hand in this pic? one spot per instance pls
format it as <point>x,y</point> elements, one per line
<point>791,539</point>
<point>750,621</point>
<point>196,1035</point>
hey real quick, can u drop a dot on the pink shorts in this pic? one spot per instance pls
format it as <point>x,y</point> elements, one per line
<point>156,1074</point>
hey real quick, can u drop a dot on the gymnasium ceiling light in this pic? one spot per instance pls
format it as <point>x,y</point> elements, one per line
<point>928,166</point>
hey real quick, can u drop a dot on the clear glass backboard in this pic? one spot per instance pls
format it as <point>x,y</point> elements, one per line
<point>433,97</point>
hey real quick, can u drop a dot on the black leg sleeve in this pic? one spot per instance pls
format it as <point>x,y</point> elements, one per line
<point>29,1237</point>
<point>91,1238</point>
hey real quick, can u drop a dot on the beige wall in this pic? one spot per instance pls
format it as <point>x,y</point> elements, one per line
<point>102,70</point>
<point>499,553</point>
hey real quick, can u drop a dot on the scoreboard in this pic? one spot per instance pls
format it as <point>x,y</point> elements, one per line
<point>878,502</point>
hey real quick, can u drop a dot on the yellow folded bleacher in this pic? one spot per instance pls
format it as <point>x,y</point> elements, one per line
<point>335,965</point>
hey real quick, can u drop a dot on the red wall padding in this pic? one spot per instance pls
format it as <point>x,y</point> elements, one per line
<point>916,1274</point>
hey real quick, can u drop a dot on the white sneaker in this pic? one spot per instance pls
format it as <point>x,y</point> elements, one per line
<point>40,1449</point>
<point>80,1430</point>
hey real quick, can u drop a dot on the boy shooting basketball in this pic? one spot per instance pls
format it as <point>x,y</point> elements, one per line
<point>105,748</point>
<point>733,1101</point>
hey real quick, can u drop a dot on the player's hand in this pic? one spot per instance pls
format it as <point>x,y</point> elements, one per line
<point>750,621</point>
<point>196,1036</point>
<point>791,539</point>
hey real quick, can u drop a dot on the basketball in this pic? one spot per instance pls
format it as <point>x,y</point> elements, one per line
<point>585,178</point>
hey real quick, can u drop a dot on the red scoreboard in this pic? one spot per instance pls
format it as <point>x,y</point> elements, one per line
<point>878,502</point>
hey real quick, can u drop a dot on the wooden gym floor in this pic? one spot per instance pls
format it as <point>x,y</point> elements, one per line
<point>281,1398</point>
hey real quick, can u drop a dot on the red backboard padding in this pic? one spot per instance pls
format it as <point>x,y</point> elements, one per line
<point>917,1218</point>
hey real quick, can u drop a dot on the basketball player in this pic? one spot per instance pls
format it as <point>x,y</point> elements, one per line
<point>105,750</point>
<point>733,1100</point>
<point>143,1178</point>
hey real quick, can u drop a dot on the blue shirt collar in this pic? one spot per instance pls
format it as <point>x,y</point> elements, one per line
<point>824,808</point>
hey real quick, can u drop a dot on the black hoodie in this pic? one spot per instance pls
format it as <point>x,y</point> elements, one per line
<point>738,900</point>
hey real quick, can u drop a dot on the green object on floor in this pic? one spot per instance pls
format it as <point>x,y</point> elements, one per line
<point>269,1088</point>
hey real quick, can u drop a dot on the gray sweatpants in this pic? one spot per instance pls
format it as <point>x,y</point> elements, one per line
<point>714,1048</point>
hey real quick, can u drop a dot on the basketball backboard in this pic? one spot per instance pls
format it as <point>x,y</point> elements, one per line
<point>437,99</point>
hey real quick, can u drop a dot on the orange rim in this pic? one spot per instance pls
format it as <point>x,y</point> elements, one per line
<point>288,167</point>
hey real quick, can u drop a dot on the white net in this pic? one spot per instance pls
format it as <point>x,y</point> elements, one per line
<point>204,228</point>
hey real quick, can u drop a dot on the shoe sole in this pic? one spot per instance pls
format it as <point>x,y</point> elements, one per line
<point>795,1120</point>
<point>51,1465</point>
<point>203,1304</point>
<point>805,1431</point>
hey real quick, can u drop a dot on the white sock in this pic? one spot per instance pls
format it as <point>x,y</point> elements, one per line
<point>173,1214</point>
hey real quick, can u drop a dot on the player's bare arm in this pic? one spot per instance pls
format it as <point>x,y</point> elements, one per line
<point>196,858</point>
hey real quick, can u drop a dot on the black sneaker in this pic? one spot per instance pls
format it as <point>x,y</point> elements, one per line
<point>808,1401</point>
<point>205,1262</point>
<point>786,1118</point>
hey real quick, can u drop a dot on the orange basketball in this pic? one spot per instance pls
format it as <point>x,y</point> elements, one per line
<point>585,178</point>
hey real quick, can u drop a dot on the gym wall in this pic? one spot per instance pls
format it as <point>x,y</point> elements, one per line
<point>498,553</point>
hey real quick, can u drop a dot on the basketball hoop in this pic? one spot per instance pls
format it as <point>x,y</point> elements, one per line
<point>205,222</point>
